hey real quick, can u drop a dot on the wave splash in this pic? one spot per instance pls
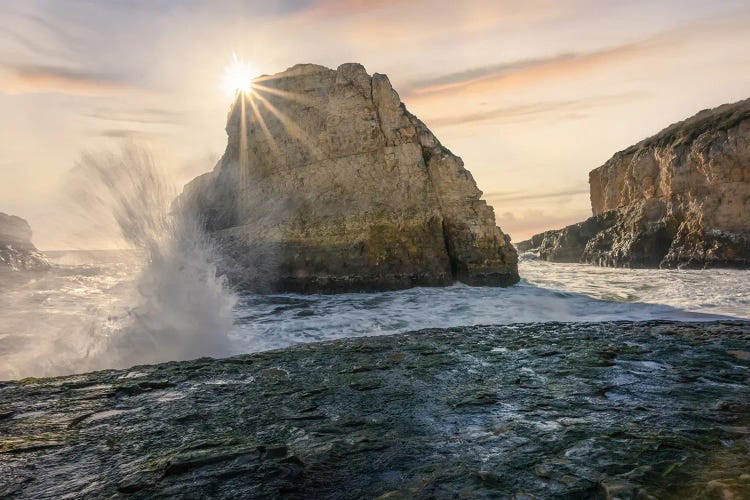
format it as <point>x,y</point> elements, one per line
<point>175,308</point>
<point>180,308</point>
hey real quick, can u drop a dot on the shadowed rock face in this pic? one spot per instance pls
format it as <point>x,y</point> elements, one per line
<point>328,184</point>
<point>17,252</point>
<point>677,199</point>
<point>556,410</point>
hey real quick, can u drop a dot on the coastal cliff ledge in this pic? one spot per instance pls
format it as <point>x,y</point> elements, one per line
<point>328,184</point>
<point>679,199</point>
<point>17,252</point>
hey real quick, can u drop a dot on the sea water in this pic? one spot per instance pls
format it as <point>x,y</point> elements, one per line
<point>82,315</point>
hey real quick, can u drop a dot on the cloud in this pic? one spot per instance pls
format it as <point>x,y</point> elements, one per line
<point>526,72</point>
<point>127,134</point>
<point>28,79</point>
<point>505,196</point>
<point>529,71</point>
<point>145,116</point>
<point>342,8</point>
<point>568,109</point>
<point>523,225</point>
<point>461,78</point>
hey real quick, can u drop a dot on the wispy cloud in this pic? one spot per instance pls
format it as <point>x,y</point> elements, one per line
<point>527,71</point>
<point>24,79</point>
<point>127,134</point>
<point>571,64</point>
<point>466,77</point>
<point>505,196</point>
<point>523,224</point>
<point>564,109</point>
<point>146,116</point>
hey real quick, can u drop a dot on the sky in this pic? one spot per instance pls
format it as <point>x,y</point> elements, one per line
<point>532,94</point>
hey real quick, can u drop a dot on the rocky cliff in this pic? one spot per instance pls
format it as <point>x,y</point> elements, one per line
<point>677,199</point>
<point>17,252</point>
<point>329,184</point>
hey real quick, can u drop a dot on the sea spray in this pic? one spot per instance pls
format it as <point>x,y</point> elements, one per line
<point>179,307</point>
<point>160,301</point>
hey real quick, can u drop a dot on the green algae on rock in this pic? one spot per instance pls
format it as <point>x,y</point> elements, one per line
<point>555,410</point>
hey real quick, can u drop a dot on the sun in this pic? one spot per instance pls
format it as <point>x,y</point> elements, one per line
<point>238,77</point>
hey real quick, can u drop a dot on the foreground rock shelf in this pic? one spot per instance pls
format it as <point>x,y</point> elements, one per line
<point>607,410</point>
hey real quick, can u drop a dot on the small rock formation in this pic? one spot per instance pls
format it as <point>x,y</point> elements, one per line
<point>17,252</point>
<point>678,199</point>
<point>328,184</point>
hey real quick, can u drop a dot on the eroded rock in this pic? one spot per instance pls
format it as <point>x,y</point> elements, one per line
<point>328,184</point>
<point>677,199</point>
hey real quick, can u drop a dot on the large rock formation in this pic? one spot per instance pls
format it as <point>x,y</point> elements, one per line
<point>17,252</point>
<point>678,199</point>
<point>329,184</point>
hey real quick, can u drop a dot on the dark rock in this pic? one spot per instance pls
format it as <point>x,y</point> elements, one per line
<point>461,427</point>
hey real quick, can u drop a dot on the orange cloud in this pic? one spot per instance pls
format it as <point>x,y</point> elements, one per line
<point>44,79</point>
<point>528,111</point>
<point>491,78</point>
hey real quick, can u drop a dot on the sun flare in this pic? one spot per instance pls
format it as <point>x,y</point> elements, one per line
<point>238,77</point>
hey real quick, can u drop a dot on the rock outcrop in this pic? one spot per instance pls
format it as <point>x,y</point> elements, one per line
<point>328,184</point>
<point>678,199</point>
<point>17,252</point>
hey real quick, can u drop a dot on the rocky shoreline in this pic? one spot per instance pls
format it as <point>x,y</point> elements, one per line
<point>678,199</point>
<point>17,252</point>
<point>553,410</point>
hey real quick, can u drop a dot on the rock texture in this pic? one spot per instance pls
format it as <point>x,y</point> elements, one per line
<point>17,252</point>
<point>328,184</point>
<point>555,410</point>
<point>678,199</point>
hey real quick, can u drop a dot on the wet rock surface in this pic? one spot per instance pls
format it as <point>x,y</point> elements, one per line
<point>677,199</point>
<point>556,410</point>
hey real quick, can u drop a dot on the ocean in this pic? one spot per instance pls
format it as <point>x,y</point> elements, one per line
<point>107,309</point>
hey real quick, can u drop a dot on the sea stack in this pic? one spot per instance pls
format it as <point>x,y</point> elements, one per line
<point>17,252</point>
<point>679,199</point>
<point>328,184</point>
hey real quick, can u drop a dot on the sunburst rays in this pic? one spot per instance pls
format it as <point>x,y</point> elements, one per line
<point>258,102</point>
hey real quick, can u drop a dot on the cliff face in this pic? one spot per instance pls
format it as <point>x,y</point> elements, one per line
<point>677,199</point>
<point>329,184</point>
<point>17,253</point>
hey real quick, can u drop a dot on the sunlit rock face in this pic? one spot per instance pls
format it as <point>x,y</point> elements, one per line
<point>328,184</point>
<point>17,252</point>
<point>678,199</point>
